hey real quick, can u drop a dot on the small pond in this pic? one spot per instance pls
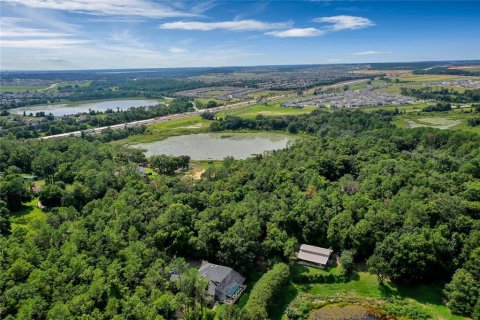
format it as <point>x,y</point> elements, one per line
<point>348,312</point>
<point>64,109</point>
<point>216,146</point>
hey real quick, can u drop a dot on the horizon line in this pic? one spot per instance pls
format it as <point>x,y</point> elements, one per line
<point>243,66</point>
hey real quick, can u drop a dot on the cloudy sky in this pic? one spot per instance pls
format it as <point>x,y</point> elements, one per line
<point>102,34</point>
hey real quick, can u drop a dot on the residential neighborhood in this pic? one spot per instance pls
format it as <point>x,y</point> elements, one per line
<point>352,99</point>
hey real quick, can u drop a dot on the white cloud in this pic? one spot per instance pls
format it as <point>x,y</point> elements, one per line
<point>42,43</point>
<point>335,23</point>
<point>28,32</point>
<point>371,52</point>
<point>9,28</point>
<point>177,50</point>
<point>236,25</point>
<point>107,7</point>
<point>338,23</point>
<point>296,33</point>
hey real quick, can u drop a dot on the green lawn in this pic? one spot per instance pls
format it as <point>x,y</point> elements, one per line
<point>29,213</point>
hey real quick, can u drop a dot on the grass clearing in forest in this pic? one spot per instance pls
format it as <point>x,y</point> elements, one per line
<point>427,297</point>
<point>456,119</point>
<point>25,216</point>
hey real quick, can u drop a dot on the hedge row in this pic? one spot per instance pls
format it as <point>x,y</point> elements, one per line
<point>266,290</point>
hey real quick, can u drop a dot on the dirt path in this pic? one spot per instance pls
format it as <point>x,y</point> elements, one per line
<point>196,171</point>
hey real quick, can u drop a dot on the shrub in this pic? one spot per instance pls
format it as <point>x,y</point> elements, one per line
<point>346,262</point>
<point>265,291</point>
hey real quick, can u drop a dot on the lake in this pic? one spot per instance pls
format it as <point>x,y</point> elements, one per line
<point>63,109</point>
<point>216,146</point>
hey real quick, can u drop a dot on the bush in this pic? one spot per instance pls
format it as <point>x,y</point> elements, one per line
<point>346,262</point>
<point>265,291</point>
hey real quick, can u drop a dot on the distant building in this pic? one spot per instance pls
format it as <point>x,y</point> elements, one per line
<point>313,256</point>
<point>224,284</point>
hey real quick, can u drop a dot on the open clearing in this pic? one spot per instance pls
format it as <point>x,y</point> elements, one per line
<point>366,285</point>
<point>269,109</point>
<point>27,215</point>
<point>456,119</point>
<point>439,123</point>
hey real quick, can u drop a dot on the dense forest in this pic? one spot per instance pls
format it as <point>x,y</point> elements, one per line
<point>405,201</point>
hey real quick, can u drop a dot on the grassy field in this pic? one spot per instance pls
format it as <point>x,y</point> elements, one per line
<point>29,213</point>
<point>21,88</point>
<point>269,109</point>
<point>417,107</point>
<point>160,131</point>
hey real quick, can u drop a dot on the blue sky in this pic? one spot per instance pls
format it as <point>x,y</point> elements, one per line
<point>101,34</point>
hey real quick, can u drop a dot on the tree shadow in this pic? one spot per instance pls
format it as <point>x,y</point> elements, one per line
<point>354,276</point>
<point>422,293</point>
<point>278,309</point>
<point>19,215</point>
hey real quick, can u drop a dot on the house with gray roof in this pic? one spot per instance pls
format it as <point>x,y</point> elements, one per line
<point>225,285</point>
<point>313,256</point>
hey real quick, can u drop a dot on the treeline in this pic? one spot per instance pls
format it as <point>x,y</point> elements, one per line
<point>113,89</point>
<point>443,95</point>
<point>318,121</point>
<point>407,201</point>
<point>439,106</point>
<point>156,88</point>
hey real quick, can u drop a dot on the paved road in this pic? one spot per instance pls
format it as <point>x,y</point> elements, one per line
<point>165,118</point>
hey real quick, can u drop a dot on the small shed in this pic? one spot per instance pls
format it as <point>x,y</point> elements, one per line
<point>313,256</point>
